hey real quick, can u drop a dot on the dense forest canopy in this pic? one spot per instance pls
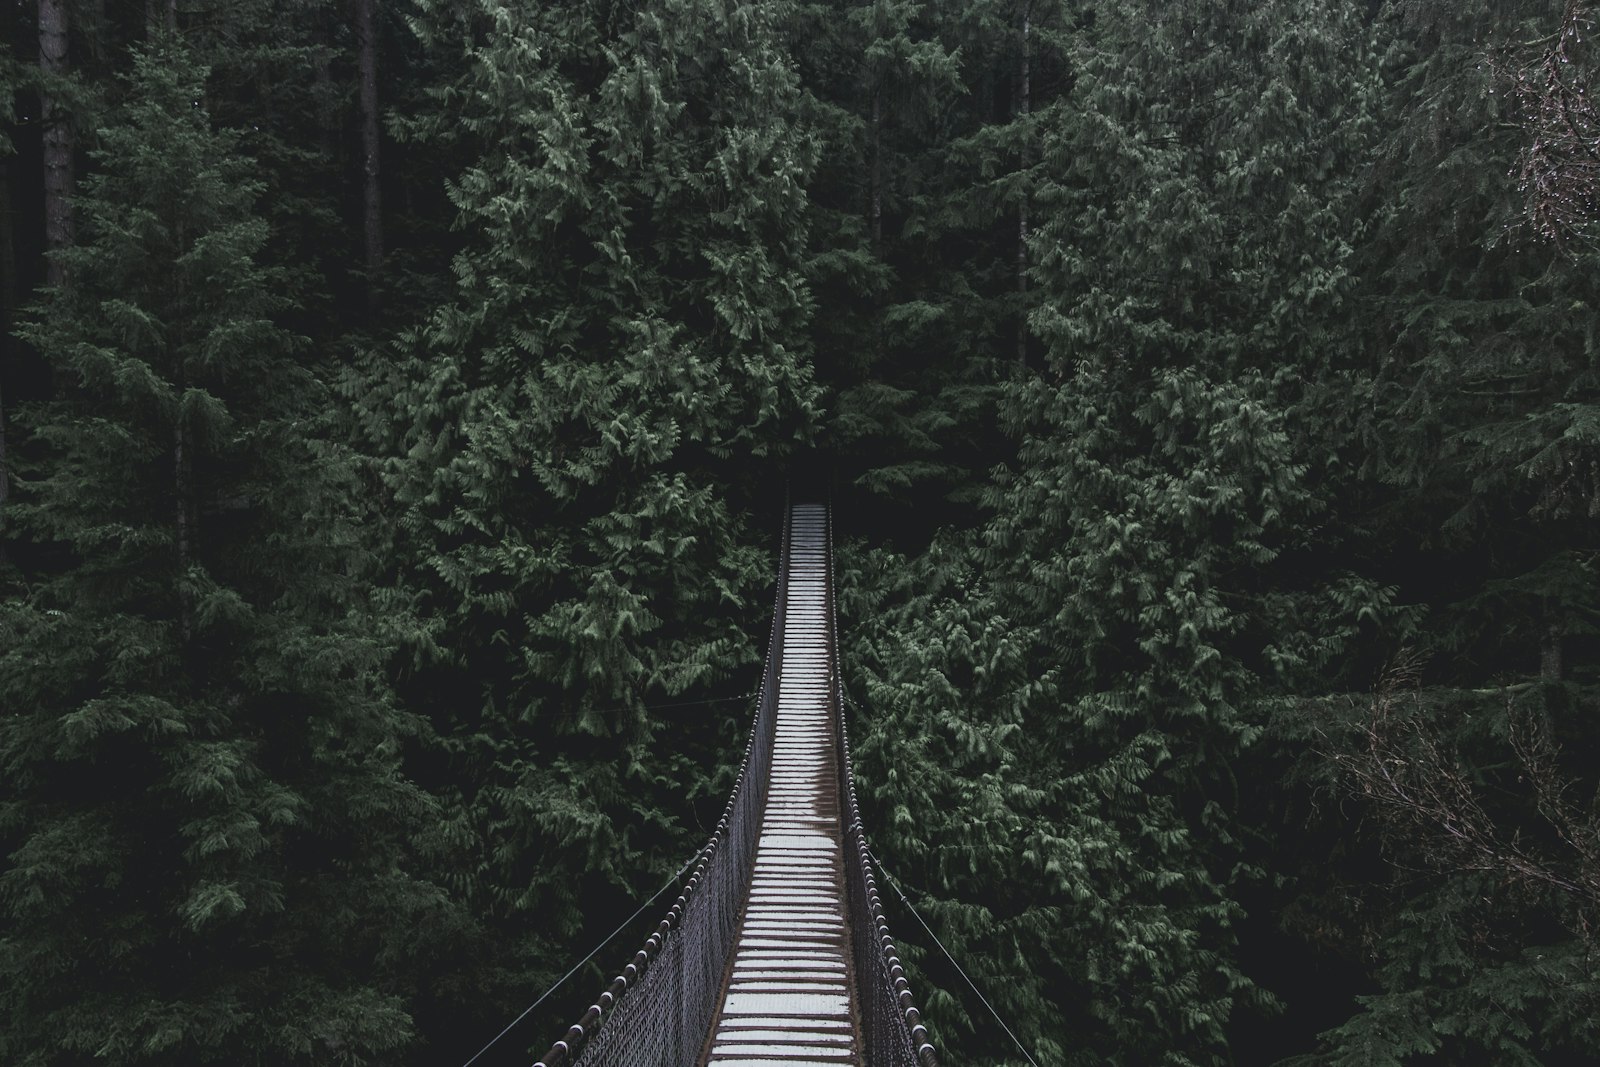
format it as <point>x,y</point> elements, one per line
<point>395,404</point>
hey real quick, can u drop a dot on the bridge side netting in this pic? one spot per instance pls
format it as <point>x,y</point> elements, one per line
<point>658,1011</point>
<point>890,1025</point>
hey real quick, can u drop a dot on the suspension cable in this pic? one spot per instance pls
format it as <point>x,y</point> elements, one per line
<point>670,882</point>
<point>901,894</point>
<point>887,877</point>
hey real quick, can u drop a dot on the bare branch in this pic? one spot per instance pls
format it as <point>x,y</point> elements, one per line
<point>1558,169</point>
<point>1403,765</point>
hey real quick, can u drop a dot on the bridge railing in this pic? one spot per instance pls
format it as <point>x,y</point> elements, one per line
<point>658,1011</point>
<point>890,1024</point>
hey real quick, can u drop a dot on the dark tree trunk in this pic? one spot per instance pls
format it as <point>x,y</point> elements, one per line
<point>1550,645</point>
<point>327,118</point>
<point>1024,104</point>
<point>5,470</point>
<point>875,208</point>
<point>57,130</point>
<point>372,204</point>
<point>185,515</point>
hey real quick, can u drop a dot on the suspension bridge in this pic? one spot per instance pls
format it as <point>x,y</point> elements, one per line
<point>776,953</point>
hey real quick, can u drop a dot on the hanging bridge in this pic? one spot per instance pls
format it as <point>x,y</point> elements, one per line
<point>776,953</point>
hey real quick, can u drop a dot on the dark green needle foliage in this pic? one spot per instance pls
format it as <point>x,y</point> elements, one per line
<point>393,480</point>
<point>1102,774</point>
<point>1476,431</point>
<point>202,826</point>
<point>1080,679</point>
<point>574,439</point>
<point>1485,404</point>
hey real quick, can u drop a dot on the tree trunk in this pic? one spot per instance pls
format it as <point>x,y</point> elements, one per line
<point>57,130</point>
<point>1024,104</point>
<point>367,61</point>
<point>185,515</point>
<point>183,483</point>
<point>5,470</point>
<point>8,303</point>
<point>1550,644</point>
<point>327,119</point>
<point>875,208</point>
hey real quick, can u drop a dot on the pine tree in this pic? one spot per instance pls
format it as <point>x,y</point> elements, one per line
<point>58,134</point>
<point>201,819</point>
<point>574,439</point>
<point>1483,408</point>
<point>934,157</point>
<point>1476,417</point>
<point>1073,692</point>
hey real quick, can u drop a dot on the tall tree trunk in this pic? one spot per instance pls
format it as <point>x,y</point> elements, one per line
<point>875,207</point>
<point>1024,104</point>
<point>327,119</point>
<point>5,469</point>
<point>367,60</point>
<point>8,303</point>
<point>57,137</point>
<point>185,514</point>
<point>183,484</point>
<point>1550,643</point>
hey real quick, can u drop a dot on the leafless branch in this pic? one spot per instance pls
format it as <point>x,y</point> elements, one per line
<point>1403,765</point>
<point>1558,169</point>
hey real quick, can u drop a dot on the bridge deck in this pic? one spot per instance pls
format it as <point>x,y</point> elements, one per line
<point>790,1000</point>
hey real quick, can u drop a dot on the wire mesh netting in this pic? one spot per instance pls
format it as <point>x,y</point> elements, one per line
<point>657,1012</point>
<point>892,1034</point>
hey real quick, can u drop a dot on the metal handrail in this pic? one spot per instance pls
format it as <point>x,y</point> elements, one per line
<point>570,1049</point>
<point>892,1030</point>
<point>671,1028</point>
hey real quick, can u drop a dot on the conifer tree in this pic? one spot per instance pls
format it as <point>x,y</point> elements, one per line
<point>935,156</point>
<point>1477,417</point>
<point>575,436</point>
<point>1485,400</point>
<point>54,63</point>
<point>1079,685</point>
<point>202,824</point>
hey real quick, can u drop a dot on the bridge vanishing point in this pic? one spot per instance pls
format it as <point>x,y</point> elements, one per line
<point>776,953</point>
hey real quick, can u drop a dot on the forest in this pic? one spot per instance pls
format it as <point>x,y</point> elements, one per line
<point>396,404</point>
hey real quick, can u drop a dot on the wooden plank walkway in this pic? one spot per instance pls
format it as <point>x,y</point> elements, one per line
<point>790,998</point>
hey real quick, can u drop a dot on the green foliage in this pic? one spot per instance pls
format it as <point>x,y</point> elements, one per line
<point>1482,408</point>
<point>569,439</point>
<point>1480,924</point>
<point>1197,189</point>
<point>201,800</point>
<point>1063,704</point>
<point>918,198</point>
<point>1179,367</point>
